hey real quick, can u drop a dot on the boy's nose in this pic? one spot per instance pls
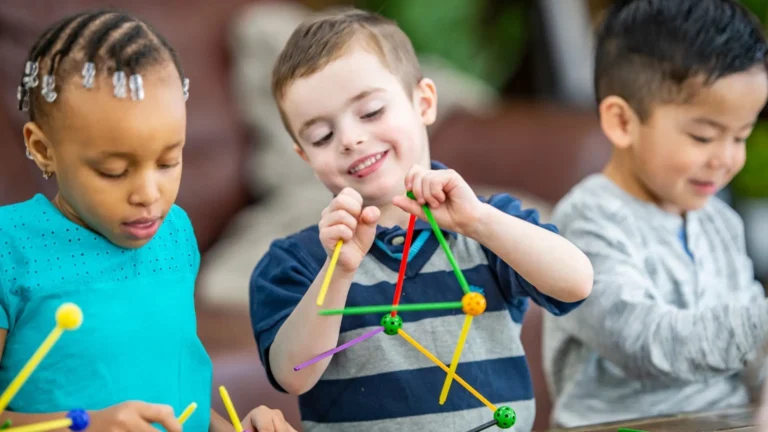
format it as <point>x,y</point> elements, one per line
<point>725,155</point>
<point>351,142</point>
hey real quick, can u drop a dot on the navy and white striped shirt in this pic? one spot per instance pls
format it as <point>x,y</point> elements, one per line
<point>383,383</point>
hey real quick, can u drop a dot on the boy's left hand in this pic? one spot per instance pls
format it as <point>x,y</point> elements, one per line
<point>263,419</point>
<point>452,202</point>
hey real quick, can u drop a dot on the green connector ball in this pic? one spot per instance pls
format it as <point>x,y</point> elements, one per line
<point>6,425</point>
<point>505,417</point>
<point>391,324</point>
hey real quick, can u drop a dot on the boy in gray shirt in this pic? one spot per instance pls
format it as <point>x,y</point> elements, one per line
<point>675,314</point>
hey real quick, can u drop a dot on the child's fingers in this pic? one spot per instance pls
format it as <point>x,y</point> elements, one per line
<point>409,177</point>
<point>264,419</point>
<point>370,215</point>
<point>437,189</point>
<point>432,188</point>
<point>351,202</point>
<point>416,188</point>
<point>161,414</point>
<point>351,193</point>
<point>339,217</point>
<point>408,205</point>
<point>337,232</point>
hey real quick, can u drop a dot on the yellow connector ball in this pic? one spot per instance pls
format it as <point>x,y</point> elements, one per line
<point>69,316</point>
<point>473,303</point>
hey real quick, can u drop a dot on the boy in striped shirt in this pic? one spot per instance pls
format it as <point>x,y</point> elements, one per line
<point>351,95</point>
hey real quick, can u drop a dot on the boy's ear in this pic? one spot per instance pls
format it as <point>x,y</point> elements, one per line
<point>300,152</point>
<point>619,121</point>
<point>39,147</point>
<point>426,100</point>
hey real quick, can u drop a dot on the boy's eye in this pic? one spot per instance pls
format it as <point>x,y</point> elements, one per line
<point>323,140</point>
<point>373,114</point>
<point>701,139</point>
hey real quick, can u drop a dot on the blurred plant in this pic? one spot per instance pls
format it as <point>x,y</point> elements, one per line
<point>752,181</point>
<point>759,8</point>
<point>484,38</point>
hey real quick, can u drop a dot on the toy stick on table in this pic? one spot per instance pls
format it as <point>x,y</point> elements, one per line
<point>447,249</point>
<point>436,361</point>
<point>456,356</point>
<point>339,348</point>
<point>230,409</point>
<point>329,273</point>
<point>360,310</point>
<point>187,412</point>
<point>404,262</point>
<point>484,426</point>
<point>68,317</point>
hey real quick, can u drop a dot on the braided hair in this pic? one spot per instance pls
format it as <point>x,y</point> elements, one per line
<point>102,40</point>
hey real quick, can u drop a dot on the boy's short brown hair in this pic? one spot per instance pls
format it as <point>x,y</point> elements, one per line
<point>326,37</point>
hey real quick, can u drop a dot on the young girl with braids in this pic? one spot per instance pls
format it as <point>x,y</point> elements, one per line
<point>106,98</point>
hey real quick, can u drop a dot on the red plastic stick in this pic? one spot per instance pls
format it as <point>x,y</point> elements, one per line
<point>403,262</point>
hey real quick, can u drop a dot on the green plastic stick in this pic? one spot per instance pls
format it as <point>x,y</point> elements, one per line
<point>360,310</point>
<point>439,234</point>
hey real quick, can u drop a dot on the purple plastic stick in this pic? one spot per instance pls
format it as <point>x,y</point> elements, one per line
<point>339,348</point>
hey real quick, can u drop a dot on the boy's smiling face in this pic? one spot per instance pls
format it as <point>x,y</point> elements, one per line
<point>683,154</point>
<point>357,126</point>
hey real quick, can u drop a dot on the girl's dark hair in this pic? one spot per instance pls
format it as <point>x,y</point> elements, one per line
<point>111,40</point>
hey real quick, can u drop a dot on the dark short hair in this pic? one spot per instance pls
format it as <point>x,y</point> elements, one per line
<point>112,40</point>
<point>648,51</point>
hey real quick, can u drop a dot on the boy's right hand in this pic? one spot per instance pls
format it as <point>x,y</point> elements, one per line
<point>346,219</point>
<point>133,417</point>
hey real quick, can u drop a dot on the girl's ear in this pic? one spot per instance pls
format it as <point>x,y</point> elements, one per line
<point>39,148</point>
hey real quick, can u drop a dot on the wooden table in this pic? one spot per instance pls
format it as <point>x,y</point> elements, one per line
<point>737,419</point>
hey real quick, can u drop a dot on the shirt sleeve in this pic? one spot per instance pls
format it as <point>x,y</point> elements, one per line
<point>511,281</point>
<point>278,283</point>
<point>754,373</point>
<point>644,336</point>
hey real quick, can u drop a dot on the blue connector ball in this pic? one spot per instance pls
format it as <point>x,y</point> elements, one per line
<point>79,418</point>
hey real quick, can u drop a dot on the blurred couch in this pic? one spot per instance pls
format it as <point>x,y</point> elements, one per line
<point>538,148</point>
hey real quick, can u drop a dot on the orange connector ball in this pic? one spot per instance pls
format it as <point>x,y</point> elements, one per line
<point>473,303</point>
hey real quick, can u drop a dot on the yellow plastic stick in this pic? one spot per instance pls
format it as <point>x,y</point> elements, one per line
<point>329,273</point>
<point>187,412</point>
<point>456,356</point>
<point>436,361</point>
<point>68,317</point>
<point>230,409</point>
<point>43,426</point>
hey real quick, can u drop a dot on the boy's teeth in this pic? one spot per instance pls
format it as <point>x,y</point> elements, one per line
<point>366,163</point>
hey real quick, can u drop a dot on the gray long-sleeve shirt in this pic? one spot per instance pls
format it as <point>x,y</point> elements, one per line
<point>667,328</point>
